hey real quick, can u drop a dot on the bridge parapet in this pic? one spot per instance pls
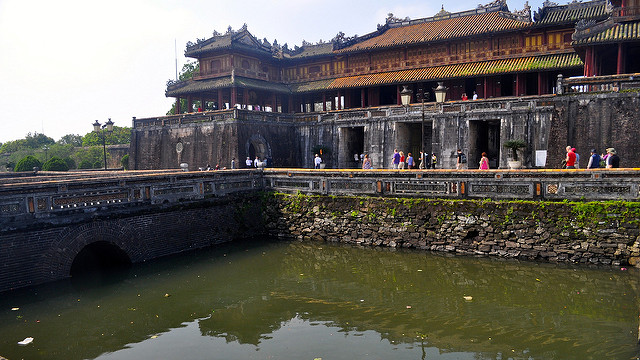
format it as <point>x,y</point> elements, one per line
<point>71,198</point>
<point>64,199</point>
<point>552,185</point>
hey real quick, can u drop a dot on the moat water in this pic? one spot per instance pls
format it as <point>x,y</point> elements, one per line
<point>294,300</point>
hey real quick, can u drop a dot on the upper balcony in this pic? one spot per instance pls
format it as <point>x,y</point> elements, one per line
<point>627,13</point>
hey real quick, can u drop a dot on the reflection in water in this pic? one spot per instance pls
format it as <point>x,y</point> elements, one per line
<point>260,300</point>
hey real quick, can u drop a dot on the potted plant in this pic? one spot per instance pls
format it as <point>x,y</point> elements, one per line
<point>515,145</point>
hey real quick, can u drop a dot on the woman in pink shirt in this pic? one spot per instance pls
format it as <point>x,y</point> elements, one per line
<point>484,162</point>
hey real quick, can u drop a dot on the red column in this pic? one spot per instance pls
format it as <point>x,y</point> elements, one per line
<point>189,104</point>
<point>362,99</point>
<point>620,67</point>
<point>339,101</point>
<point>398,97</point>
<point>324,102</point>
<point>178,110</point>
<point>486,87</point>
<point>220,100</point>
<point>245,97</point>
<point>234,97</point>
<point>291,109</point>
<point>540,84</point>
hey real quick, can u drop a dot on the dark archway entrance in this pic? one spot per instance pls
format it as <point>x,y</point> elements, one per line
<point>484,136</point>
<point>351,143</point>
<point>258,146</point>
<point>409,139</point>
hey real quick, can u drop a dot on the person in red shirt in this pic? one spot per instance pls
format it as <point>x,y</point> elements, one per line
<point>571,158</point>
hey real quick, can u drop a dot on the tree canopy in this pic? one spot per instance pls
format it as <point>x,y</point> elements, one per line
<point>186,73</point>
<point>120,135</point>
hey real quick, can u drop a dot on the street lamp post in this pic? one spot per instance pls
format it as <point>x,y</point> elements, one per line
<point>101,130</point>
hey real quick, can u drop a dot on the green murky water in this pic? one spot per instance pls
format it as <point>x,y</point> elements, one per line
<point>291,300</point>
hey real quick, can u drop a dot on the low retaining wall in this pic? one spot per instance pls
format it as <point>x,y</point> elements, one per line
<point>593,232</point>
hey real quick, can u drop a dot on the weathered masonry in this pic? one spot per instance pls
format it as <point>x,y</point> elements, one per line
<point>50,224</point>
<point>547,124</point>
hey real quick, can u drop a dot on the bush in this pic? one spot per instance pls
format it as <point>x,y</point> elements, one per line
<point>97,164</point>
<point>55,164</point>
<point>125,162</point>
<point>71,164</point>
<point>85,164</point>
<point>27,163</point>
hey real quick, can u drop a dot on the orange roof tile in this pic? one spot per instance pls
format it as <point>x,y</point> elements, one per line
<point>450,28</point>
<point>492,67</point>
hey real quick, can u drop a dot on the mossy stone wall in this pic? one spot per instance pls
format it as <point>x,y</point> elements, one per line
<point>590,232</point>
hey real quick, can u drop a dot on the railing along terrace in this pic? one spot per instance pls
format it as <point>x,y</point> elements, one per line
<point>49,197</point>
<point>552,185</point>
<point>609,83</point>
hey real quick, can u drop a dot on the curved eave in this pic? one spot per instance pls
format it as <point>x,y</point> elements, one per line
<point>625,32</point>
<point>192,87</point>
<point>447,72</point>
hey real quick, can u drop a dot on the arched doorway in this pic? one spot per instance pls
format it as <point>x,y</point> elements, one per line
<point>258,146</point>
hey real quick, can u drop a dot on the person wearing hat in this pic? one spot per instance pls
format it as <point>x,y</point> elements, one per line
<point>613,161</point>
<point>594,160</point>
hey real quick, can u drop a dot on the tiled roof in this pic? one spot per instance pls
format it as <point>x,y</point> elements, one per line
<point>450,28</point>
<point>492,67</point>
<point>617,33</point>
<point>313,50</point>
<point>199,86</point>
<point>572,13</point>
<point>242,38</point>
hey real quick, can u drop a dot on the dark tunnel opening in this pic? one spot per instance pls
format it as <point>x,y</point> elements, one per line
<point>100,258</point>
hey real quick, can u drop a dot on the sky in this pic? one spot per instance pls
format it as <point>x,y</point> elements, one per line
<point>66,63</point>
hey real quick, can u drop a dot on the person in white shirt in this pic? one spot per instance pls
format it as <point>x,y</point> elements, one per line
<point>249,162</point>
<point>317,161</point>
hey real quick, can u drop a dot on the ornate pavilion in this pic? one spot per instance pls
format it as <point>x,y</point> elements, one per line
<point>489,50</point>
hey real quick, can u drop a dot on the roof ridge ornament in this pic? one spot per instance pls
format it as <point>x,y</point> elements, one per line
<point>525,13</point>
<point>500,3</point>
<point>444,12</point>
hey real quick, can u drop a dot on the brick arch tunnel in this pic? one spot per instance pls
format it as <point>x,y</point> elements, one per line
<point>91,247</point>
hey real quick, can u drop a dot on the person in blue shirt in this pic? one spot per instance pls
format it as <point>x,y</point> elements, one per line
<point>594,160</point>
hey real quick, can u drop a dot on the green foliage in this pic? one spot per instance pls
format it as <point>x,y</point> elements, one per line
<point>515,145</point>
<point>55,164</point>
<point>71,139</point>
<point>27,164</point>
<point>125,162</point>
<point>187,72</point>
<point>31,141</point>
<point>98,165</point>
<point>120,135</point>
<point>71,164</point>
<point>87,157</point>
<point>85,164</point>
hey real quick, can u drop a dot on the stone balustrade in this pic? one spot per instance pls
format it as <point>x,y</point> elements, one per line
<point>47,198</point>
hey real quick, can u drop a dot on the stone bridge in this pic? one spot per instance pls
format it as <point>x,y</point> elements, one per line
<point>51,225</point>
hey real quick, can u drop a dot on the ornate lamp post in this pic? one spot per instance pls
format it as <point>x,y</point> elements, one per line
<point>102,131</point>
<point>440,92</point>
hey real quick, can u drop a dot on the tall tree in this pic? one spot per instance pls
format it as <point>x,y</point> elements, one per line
<point>187,72</point>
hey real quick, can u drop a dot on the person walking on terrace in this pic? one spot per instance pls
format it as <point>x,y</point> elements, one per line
<point>395,160</point>
<point>570,160</point>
